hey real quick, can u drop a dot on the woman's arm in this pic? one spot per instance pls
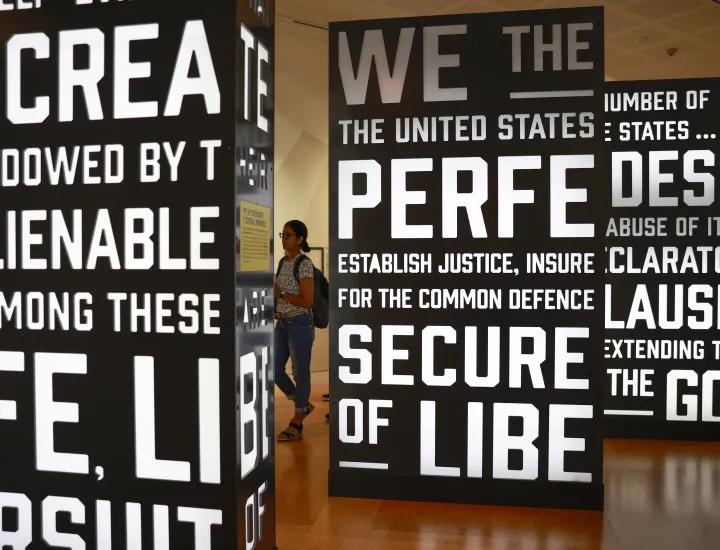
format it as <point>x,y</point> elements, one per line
<point>307,294</point>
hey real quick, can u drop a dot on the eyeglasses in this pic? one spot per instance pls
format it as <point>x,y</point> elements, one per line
<point>287,235</point>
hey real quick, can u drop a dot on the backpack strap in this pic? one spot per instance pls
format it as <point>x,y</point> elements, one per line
<point>296,272</point>
<point>296,268</point>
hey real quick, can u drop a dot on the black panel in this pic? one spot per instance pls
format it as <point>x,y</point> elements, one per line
<point>663,313</point>
<point>121,497</point>
<point>361,484</point>
<point>392,464</point>
<point>255,186</point>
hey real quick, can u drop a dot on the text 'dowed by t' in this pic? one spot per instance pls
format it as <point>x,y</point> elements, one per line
<point>117,298</point>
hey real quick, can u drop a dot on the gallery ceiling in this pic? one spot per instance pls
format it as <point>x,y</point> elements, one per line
<point>639,33</point>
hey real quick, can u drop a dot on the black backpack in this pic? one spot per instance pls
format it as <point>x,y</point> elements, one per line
<point>321,296</point>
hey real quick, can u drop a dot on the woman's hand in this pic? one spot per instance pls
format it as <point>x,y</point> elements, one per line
<point>277,290</point>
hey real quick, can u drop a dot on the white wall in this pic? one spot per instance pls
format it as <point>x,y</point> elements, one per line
<point>301,149</point>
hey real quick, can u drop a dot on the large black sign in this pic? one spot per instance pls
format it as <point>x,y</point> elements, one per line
<point>254,185</point>
<point>117,275</point>
<point>662,311</point>
<point>467,206</point>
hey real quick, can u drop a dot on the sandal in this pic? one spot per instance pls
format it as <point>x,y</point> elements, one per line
<point>290,436</point>
<point>287,435</point>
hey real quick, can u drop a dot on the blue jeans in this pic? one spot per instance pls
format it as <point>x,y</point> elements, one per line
<point>294,337</point>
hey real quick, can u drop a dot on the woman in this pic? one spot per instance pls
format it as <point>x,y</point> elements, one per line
<point>294,330</point>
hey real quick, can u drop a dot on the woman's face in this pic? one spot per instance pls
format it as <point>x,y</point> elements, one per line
<point>289,238</point>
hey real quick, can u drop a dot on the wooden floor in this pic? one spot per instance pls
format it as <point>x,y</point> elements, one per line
<point>659,496</point>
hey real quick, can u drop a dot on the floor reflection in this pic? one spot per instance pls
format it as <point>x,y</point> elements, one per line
<point>663,494</point>
<point>659,496</point>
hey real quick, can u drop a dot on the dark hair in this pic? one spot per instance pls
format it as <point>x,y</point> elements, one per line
<point>301,231</point>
